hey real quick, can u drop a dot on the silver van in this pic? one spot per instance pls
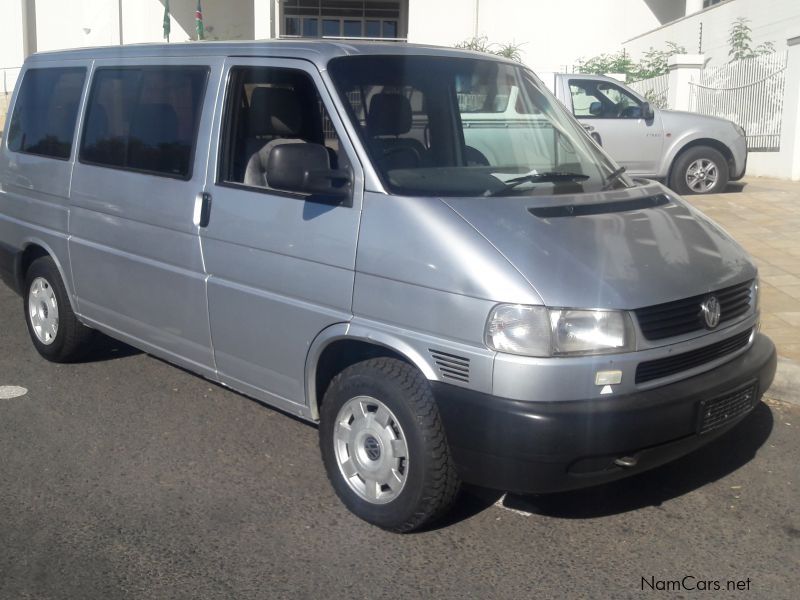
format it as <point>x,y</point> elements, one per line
<point>308,223</point>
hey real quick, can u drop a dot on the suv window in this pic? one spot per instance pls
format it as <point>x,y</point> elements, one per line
<point>47,107</point>
<point>602,99</point>
<point>144,119</point>
<point>266,107</point>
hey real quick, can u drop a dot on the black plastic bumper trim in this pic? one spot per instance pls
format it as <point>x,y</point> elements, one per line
<point>531,447</point>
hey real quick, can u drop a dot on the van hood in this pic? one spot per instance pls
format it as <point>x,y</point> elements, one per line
<point>621,249</point>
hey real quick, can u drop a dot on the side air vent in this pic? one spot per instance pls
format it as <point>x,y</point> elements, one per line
<point>451,366</point>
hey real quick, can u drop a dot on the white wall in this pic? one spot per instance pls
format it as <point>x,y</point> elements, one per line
<point>76,24</point>
<point>553,34</point>
<point>81,23</point>
<point>770,20</point>
<point>12,50</point>
<point>223,20</point>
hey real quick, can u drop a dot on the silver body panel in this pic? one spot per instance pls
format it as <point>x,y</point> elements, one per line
<point>253,299</point>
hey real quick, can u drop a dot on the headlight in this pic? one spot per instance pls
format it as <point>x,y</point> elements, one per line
<point>519,329</point>
<point>590,331</point>
<point>539,331</point>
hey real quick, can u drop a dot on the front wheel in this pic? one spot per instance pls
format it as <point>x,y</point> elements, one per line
<point>699,170</point>
<point>384,447</point>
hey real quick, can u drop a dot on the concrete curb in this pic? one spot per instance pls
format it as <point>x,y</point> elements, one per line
<point>786,386</point>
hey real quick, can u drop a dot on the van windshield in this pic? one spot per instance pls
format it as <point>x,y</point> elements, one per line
<point>444,126</point>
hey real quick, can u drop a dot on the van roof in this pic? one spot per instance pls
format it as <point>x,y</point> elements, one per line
<point>316,51</point>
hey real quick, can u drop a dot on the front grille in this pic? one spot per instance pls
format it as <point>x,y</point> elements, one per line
<point>663,367</point>
<point>719,411</point>
<point>451,366</point>
<point>684,316</point>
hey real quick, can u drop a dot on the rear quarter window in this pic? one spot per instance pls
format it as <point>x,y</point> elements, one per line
<point>46,109</point>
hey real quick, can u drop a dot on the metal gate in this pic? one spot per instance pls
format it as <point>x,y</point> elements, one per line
<point>749,92</point>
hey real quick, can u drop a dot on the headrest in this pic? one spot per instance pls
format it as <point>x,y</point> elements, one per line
<point>275,111</point>
<point>389,114</point>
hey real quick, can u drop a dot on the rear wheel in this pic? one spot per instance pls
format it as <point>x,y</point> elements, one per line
<point>54,329</point>
<point>384,447</point>
<point>699,170</point>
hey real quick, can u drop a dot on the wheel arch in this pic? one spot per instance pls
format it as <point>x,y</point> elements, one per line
<point>344,344</point>
<point>31,250</point>
<point>720,147</point>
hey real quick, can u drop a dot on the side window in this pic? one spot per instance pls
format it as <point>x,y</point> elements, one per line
<point>46,110</point>
<point>144,119</point>
<point>267,107</point>
<point>582,99</point>
<point>601,99</point>
<point>627,105</point>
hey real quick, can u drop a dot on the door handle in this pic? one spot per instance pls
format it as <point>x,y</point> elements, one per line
<point>202,209</point>
<point>588,127</point>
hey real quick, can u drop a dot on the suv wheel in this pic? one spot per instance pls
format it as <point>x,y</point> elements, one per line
<point>384,447</point>
<point>699,170</point>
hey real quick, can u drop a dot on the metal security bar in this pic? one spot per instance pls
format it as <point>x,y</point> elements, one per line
<point>749,92</point>
<point>654,90</point>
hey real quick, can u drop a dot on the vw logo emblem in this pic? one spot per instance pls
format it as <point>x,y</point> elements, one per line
<point>372,447</point>
<point>711,311</point>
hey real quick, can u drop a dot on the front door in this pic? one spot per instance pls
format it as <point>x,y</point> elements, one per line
<point>613,116</point>
<point>280,265</point>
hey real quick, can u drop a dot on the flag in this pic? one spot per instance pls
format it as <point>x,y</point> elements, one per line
<point>166,20</point>
<point>198,18</point>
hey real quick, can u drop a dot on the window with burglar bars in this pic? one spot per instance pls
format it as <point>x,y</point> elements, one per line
<point>371,19</point>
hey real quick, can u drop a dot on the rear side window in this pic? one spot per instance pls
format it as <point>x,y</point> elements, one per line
<point>144,119</point>
<point>47,107</point>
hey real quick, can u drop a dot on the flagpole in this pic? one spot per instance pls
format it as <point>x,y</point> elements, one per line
<point>166,20</point>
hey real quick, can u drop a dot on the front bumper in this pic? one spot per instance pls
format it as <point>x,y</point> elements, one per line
<point>535,447</point>
<point>740,155</point>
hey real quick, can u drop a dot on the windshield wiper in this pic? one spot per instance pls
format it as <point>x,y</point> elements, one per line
<point>612,177</point>
<point>547,176</point>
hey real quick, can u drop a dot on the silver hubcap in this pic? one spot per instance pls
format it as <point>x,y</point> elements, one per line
<point>43,310</point>
<point>370,449</point>
<point>702,175</point>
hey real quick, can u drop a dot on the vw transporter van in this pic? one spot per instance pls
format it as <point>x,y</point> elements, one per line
<point>311,223</point>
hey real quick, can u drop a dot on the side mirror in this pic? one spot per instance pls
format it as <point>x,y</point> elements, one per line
<point>647,111</point>
<point>306,169</point>
<point>596,109</point>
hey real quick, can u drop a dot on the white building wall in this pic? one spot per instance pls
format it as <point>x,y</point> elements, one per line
<point>553,34</point>
<point>143,21</point>
<point>770,20</point>
<point>223,20</point>
<point>12,50</point>
<point>76,24</point>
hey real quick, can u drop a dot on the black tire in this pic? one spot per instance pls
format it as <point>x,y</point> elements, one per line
<point>72,338</point>
<point>689,159</point>
<point>431,481</point>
